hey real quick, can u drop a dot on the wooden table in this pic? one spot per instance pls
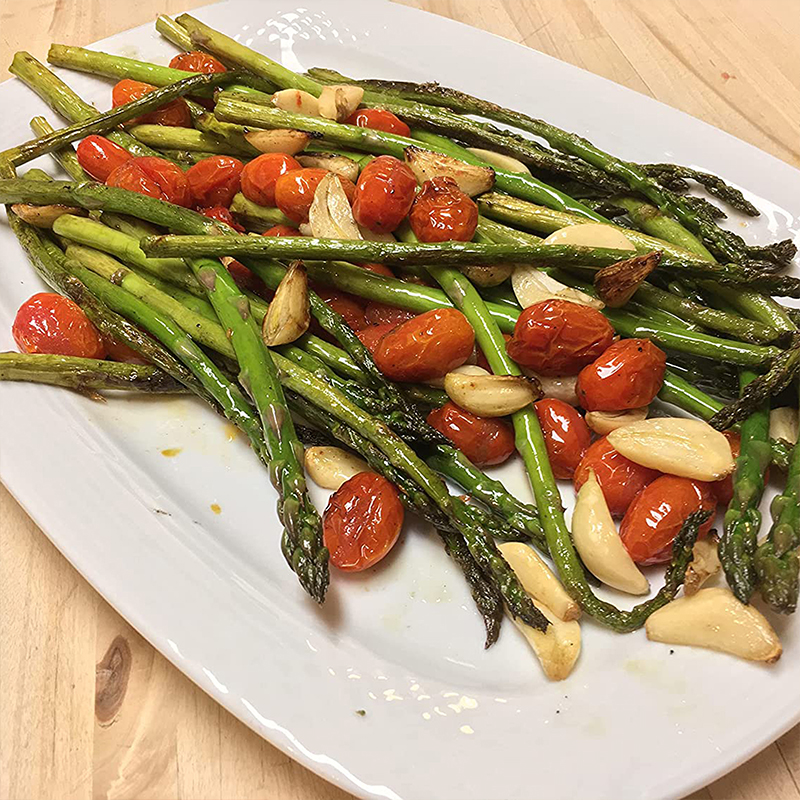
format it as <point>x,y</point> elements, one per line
<point>69,661</point>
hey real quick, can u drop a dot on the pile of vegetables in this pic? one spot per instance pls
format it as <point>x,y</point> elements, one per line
<point>384,291</point>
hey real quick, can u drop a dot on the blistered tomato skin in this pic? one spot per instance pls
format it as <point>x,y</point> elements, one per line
<point>384,194</point>
<point>294,191</point>
<point>380,314</point>
<point>629,374</point>
<point>657,513</point>
<point>485,442</point>
<point>426,347</point>
<point>155,177</point>
<point>259,176</point>
<point>99,156</point>
<point>282,230</point>
<point>620,478</point>
<point>175,113</point>
<point>378,269</point>
<point>557,337</point>
<point>221,214</point>
<point>372,335</point>
<point>442,212</point>
<point>566,436</point>
<point>50,323</point>
<point>197,61</point>
<point>345,304</point>
<point>378,120</point>
<point>362,521</point>
<point>214,181</point>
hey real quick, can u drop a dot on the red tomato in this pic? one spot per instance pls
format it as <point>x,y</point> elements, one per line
<point>50,323</point>
<point>155,177</point>
<point>620,478</point>
<point>260,175</point>
<point>379,269</point>
<point>117,351</point>
<point>385,192</point>
<point>480,357</point>
<point>294,191</point>
<point>346,305</point>
<point>627,375</point>
<point>380,313</point>
<point>378,120</point>
<point>215,180</point>
<point>483,441</point>
<point>372,335</point>
<point>441,212</point>
<point>362,521</point>
<point>99,156</point>
<point>221,214</point>
<point>657,514</point>
<point>426,347</point>
<point>245,279</point>
<point>175,113</point>
<point>197,61</point>
<point>557,337</point>
<point>566,435</point>
<point>282,230</point>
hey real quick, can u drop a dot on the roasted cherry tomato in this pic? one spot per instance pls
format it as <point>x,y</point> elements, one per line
<point>380,313</point>
<point>385,192</point>
<point>483,441</point>
<point>480,357</point>
<point>372,335</point>
<point>379,269</point>
<point>221,214</point>
<point>197,61</point>
<point>566,435</point>
<point>294,191</point>
<point>260,175</point>
<point>426,347</point>
<point>155,177</point>
<point>50,323</point>
<point>215,180</point>
<point>657,514</point>
<point>346,305</point>
<point>441,212</point>
<point>282,230</point>
<point>118,351</point>
<point>378,120</point>
<point>245,279</point>
<point>627,375</point>
<point>557,337</point>
<point>362,521</point>
<point>620,478</point>
<point>175,113</point>
<point>99,156</point>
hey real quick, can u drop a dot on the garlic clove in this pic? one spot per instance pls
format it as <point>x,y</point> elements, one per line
<point>44,216</point>
<point>705,564</point>
<point>329,467</point>
<point>500,161</point>
<point>617,283</point>
<point>603,422</point>
<point>471,369</point>
<point>297,101</point>
<point>783,424</point>
<point>591,234</point>
<point>288,315</point>
<point>471,179</point>
<point>278,140</point>
<point>532,286</point>
<point>330,215</point>
<point>557,648</point>
<point>491,395</point>
<point>488,276</point>
<point>342,166</point>
<point>559,387</point>
<point>339,102</point>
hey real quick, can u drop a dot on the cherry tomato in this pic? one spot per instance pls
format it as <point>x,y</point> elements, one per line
<point>197,61</point>
<point>259,176</point>
<point>441,212</point>
<point>379,269</point>
<point>620,478</point>
<point>627,375</point>
<point>215,180</point>
<point>50,323</point>
<point>245,279</point>
<point>657,514</point>
<point>99,156</point>
<point>566,435</point>
<point>480,357</point>
<point>380,313</point>
<point>221,214</point>
<point>175,113</point>
<point>378,120</point>
<point>282,230</point>
<point>483,441</point>
<point>385,192</point>
<point>155,177</point>
<point>346,305</point>
<point>118,351</point>
<point>294,191</point>
<point>372,335</point>
<point>557,337</point>
<point>426,347</point>
<point>362,521</point>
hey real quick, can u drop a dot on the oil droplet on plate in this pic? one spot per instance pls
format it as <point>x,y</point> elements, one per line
<point>171,452</point>
<point>216,508</point>
<point>466,729</point>
<point>231,431</point>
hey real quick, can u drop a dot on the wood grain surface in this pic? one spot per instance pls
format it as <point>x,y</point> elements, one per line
<point>87,708</point>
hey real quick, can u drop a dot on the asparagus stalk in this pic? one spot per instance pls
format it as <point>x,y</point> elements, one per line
<point>175,33</point>
<point>164,137</point>
<point>65,156</point>
<point>255,217</point>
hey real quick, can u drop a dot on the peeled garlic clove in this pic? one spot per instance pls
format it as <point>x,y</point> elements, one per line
<point>297,101</point>
<point>288,315</point>
<point>471,369</point>
<point>44,216</point>
<point>500,161</point>
<point>339,102</point>
<point>715,619</point>
<point>538,580</point>
<point>783,424</point>
<point>330,467</point>
<point>603,422</point>
<point>375,236</point>
<point>532,286</point>
<point>597,541</point>
<point>617,283</point>
<point>689,448</point>
<point>330,215</point>
<point>557,648</point>
<point>704,565</point>
<point>278,140</point>
<point>471,179</point>
<point>591,234</point>
<point>491,395</point>
<point>559,387</point>
<point>488,276</point>
<point>342,166</point>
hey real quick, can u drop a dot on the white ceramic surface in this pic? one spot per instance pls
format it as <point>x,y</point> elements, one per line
<point>444,719</point>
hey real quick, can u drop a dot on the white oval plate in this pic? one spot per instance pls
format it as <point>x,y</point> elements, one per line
<point>402,643</point>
